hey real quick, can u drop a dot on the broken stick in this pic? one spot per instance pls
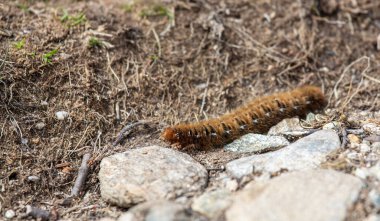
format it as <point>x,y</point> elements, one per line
<point>82,175</point>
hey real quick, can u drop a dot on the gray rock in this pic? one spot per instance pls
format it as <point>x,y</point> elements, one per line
<point>156,211</point>
<point>376,146</point>
<point>373,138</point>
<point>256,143</point>
<point>335,125</point>
<point>372,158</point>
<point>212,204</point>
<point>364,148</point>
<point>314,195</point>
<point>372,128</point>
<point>9,214</point>
<point>149,173</point>
<point>286,126</point>
<point>306,153</point>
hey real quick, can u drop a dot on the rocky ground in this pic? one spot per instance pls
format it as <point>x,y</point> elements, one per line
<point>73,74</point>
<point>313,178</point>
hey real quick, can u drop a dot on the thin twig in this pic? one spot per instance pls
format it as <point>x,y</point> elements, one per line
<point>126,130</point>
<point>82,175</point>
<point>344,138</point>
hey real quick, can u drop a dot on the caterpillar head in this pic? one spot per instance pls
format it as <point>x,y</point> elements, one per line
<point>170,135</point>
<point>315,96</point>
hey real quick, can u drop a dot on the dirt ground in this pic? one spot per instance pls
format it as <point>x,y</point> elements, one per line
<point>110,63</point>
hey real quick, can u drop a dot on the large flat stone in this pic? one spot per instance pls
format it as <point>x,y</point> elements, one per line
<point>212,204</point>
<point>314,195</point>
<point>256,143</point>
<point>149,173</point>
<point>306,153</point>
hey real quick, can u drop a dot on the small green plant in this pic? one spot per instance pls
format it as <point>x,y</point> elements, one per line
<point>154,57</point>
<point>157,10</point>
<point>48,56</point>
<point>23,7</point>
<point>73,20</point>
<point>19,44</point>
<point>94,42</point>
<point>128,7</point>
<point>65,16</point>
<point>78,19</point>
<point>32,54</point>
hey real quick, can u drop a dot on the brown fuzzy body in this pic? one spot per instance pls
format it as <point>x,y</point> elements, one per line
<point>258,116</point>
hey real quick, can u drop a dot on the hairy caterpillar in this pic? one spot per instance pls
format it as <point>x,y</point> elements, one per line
<point>255,117</point>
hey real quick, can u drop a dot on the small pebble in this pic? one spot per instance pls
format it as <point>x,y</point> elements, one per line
<point>372,128</point>
<point>376,146</point>
<point>44,103</point>
<point>33,178</point>
<point>24,141</point>
<point>372,158</point>
<point>40,125</point>
<point>353,156</point>
<point>9,214</point>
<point>61,115</point>
<point>332,126</point>
<point>353,138</point>
<point>365,148</point>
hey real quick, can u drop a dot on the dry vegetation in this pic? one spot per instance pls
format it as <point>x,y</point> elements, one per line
<point>109,64</point>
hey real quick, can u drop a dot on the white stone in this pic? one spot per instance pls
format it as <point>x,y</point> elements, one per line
<point>33,178</point>
<point>332,126</point>
<point>364,148</point>
<point>297,196</point>
<point>40,125</point>
<point>149,173</point>
<point>256,143</point>
<point>376,145</point>
<point>285,126</point>
<point>61,115</point>
<point>306,153</point>
<point>9,214</point>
